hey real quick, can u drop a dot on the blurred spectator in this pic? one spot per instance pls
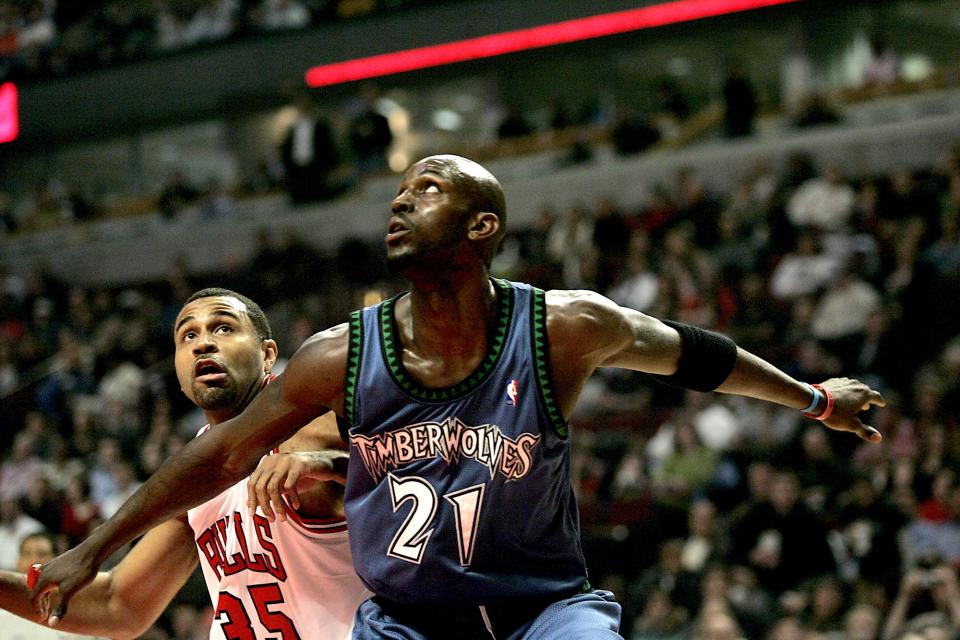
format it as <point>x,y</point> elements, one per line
<point>882,66</point>
<point>611,239</point>
<point>824,203</point>
<point>369,134</point>
<point>176,194</point>
<point>825,612</point>
<point>80,513</point>
<point>781,539</point>
<point>740,103</point>
<point>688,468</point>
<point>309,154</point>
<point>212,20</point>
<point>669,576</point>
<point>125,483</point>
<point>814,109</point>
<point>870,526</point>
<point>569,245</point>
<point>14,526</point>
<point>804,271</point>
<point>42,503</point>
<point>216,203</point>
<point>702,544</point>
<point>718,624</point>
<point>21,468</point>
<point>862,622</point>
<point>929,599</point>
<point>632,132</point>
<point>840,317</point>
<point>283,14</point>
<point>660,619</point>
<point>513,124</point>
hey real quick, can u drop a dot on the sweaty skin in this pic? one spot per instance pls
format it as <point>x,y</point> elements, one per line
<point>444,227</point>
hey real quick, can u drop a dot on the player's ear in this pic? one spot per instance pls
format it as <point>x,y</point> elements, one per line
<point>484,225</point>
<point>269,348</point>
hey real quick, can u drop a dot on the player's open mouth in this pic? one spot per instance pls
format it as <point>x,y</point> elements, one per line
<point>394,237</point>
<point>208,371</point>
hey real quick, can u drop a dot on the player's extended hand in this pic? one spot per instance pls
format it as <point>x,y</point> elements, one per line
<point>284,474</point>
<point>851,397</point>
<point>58,580</point>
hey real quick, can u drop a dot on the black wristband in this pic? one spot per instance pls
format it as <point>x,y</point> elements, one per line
<point>706,358</point>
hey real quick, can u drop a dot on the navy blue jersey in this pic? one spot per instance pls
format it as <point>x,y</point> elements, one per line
<point>462,494</point>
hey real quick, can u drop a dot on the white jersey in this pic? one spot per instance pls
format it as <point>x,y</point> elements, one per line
<point>290,580</point>
<point>16,628</point>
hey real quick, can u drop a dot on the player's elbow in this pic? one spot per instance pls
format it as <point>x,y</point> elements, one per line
<point>238,464</point>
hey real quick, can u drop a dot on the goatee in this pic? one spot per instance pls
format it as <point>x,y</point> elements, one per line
<point>212,398</point>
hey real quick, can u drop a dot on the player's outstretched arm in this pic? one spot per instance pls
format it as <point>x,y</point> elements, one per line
<point>589,331</point>
<point>311,384</point>
<point>124,602</point>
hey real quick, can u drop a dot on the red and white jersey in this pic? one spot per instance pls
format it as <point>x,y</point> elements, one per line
<point>290,580</point>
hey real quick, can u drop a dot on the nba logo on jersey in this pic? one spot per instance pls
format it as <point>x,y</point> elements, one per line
<point>513,392</point>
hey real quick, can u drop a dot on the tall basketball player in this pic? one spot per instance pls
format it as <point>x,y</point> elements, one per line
<point>291,579</point>
<point>454,396</point>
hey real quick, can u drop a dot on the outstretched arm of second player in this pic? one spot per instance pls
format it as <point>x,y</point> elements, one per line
<point>588,331</point>
<point>311,384</point>
<point>124,602</point>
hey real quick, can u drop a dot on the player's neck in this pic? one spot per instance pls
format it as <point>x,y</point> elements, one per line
<point>450,316</point>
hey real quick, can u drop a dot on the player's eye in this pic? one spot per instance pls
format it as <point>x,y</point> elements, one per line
<point>189,335</point>
<point>431,188</point>
<point>224,328</point>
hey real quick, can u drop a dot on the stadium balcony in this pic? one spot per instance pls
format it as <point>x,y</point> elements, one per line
<point>909,126</point>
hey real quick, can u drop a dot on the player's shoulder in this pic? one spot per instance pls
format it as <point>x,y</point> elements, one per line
<point>578,307</point>
<point>329,343</point>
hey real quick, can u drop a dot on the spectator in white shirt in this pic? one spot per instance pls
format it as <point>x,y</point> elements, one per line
<point>824,203</point>
<point>804,271</point>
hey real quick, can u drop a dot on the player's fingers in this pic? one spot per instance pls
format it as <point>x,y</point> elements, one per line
<point>877,398</point>
<point>52,609</point>
<point>252,492</point>
<point>273,488</point>
<point>290,489</point>
<point>44,607</point>
<point>871,435</point>
<point>866,432</point>
<point>58,612</point>
<point>263,499</point>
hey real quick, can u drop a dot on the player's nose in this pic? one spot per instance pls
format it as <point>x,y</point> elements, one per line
<point>401,204</point>
<point>204,344</point>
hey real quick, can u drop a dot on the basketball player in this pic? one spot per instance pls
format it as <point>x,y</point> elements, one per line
<point>290,579</point>
<point>454,396</point>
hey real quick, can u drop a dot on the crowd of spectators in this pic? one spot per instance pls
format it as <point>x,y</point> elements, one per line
<point>47,37</point>
<point>711,517</point>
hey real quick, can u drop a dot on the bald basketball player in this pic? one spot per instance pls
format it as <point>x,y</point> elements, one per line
<point>454,398</point>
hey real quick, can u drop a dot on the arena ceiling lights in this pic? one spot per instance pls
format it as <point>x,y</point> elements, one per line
<point>606,24</point>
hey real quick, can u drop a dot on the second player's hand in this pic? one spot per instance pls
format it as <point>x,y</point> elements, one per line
<point>851,397</point>
<point>281,475</point>
<point>59,580</point>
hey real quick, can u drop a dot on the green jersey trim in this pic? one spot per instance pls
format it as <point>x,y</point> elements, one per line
<point>354,358</point>
<point>541,355</point>
<point>391,348</point>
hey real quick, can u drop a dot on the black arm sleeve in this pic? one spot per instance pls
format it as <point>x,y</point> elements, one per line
<point>706,358</point>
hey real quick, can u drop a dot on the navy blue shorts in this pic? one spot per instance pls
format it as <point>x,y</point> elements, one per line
<point>584,616</point>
